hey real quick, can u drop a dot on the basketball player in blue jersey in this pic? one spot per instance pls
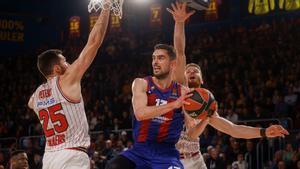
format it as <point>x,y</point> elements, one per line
<point>158,117</point>
<point>191,75</point>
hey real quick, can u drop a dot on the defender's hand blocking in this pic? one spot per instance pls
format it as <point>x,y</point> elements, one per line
<point>179,12</point>
<point>276,131</point>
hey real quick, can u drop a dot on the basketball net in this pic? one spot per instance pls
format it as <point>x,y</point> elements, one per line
<point>114,5</point>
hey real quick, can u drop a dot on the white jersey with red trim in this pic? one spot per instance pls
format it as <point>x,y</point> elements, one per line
<point>64,121</point>
<point>186,145</point>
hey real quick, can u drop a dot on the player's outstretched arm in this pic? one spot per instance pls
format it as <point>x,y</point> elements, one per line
<point>195,132</point>
<point>139,102</point>
<point>180,15</point>
<point>76,70</point>
<point>246,132</point>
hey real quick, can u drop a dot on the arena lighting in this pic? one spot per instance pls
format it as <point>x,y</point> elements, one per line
<point>140,1</point>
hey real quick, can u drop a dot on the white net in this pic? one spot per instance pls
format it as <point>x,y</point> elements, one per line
<point>114,5</point>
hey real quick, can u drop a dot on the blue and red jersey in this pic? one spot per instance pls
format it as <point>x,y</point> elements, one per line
<point>165,128</point>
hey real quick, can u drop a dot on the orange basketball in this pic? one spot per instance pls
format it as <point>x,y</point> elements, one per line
<point>202,104</point>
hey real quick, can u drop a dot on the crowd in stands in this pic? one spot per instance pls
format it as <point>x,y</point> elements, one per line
<point>253,72</point>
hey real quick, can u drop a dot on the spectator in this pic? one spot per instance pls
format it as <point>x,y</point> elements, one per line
<point>233,150</point>
<point>288,153</point>
<point>250,155</point>
<point>291,98</point>
<point>281,165</point>
<point>281,108</point>
<point>19,160</point>
<point>240,163</point>
<point>108,152</point>
<point>277,158</point>
<point>232,116</point>
<point>205,138</point>
<point>2,159</point>
<point>214,161</point>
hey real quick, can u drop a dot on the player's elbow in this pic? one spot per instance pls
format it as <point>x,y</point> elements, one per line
<point>29,104</point>
<point>139,116</point>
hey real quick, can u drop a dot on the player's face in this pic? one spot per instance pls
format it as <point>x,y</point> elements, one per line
<point>21,162</point>
<point>161,63</point>
<point>193,77</point>
<point>62,66</point>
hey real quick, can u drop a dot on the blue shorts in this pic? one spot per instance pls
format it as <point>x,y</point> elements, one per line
<point>154,156</point>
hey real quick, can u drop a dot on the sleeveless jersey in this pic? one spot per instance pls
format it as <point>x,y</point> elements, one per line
<point>186,145</point>
<point>165,128</point>
<point>64,121</point>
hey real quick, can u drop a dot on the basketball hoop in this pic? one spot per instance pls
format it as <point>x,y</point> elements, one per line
<point>114,5</point>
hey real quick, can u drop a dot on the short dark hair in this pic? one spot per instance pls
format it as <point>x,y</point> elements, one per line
<point>47,60</point>
<point>193,65</point>
<point>16,152</point>
<point>170,49</point>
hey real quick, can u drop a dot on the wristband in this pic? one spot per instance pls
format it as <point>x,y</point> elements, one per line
<point>262,132</point>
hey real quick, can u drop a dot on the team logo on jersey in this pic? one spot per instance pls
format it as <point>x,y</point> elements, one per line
<point>174,91</point>
<point>151,90</point>
<point>174,94</point>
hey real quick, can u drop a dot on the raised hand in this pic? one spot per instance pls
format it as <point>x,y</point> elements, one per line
<point>276,131</point>
<point>179,12</point>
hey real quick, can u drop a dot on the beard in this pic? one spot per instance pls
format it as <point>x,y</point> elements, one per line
<point>162,75</point>
<point>194,84</point>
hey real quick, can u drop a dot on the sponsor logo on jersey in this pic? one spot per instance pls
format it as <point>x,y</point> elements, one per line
<point>173,167</point>
<point>46,102</point>
<point>161,119</point>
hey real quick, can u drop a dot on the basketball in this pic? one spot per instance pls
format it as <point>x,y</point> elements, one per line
<point>202,104</point>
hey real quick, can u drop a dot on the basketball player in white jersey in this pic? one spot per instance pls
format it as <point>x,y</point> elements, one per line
<point>188,144</point>
<point>59,106</point>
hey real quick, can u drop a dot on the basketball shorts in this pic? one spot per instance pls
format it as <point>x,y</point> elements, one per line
<point>66,159</point>
<point>154,156</point>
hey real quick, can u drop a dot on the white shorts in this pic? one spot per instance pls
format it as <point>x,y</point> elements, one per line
<point>196,162</point>
<point>66,159</point>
